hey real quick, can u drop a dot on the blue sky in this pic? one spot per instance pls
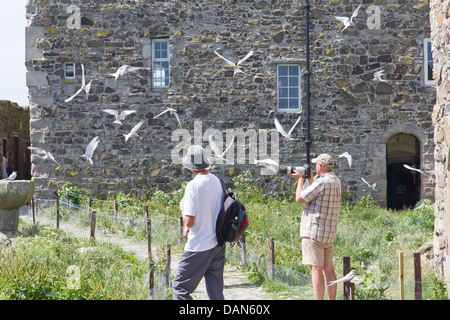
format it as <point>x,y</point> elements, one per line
<point>12,55</point>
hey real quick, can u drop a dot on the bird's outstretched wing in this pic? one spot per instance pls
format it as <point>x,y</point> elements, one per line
<point>245,58</point>
<point>225,59</point>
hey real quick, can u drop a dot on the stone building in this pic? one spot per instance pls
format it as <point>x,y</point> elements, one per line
<point>383,123</point>
<point>15,138</point>
<point>440,32</point>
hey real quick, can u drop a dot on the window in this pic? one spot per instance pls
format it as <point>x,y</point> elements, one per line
<point>288,87</point>
<point>160,63</point>
<point>428,63</point>
<point>69,70</point>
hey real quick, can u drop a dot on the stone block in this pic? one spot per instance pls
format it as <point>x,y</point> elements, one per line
<point>36,78</point>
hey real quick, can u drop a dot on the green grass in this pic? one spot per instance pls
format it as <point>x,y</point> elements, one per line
<point>35,266</point>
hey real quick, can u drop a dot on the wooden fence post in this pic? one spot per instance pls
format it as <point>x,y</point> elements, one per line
<point>168,263</point>
<point>149,233</point>
<point>180,228</point>
<point>347,286</point>
<point>151,283</point>
<point>115,209</point>
<point>417,277</point>
<point>401,276</point>
<point>244,252</point>
<point>90,207</point>
<point>271,259</point>
<point>93,221</point>
<point>57,213</point>
<point>32,210</point>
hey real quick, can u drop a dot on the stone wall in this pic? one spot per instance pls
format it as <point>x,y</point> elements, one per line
<point>15,129</point>
<point>440,32</point>
<point>349,111</point>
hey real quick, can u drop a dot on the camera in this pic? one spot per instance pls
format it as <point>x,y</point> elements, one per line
<point>305,170</point>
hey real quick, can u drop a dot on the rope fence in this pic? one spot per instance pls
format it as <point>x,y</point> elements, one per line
<point>169,231</point>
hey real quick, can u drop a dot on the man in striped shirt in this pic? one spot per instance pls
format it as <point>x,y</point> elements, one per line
<point>318,225</point>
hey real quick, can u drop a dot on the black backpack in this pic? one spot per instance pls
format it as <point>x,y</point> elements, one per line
<point>232,220</point>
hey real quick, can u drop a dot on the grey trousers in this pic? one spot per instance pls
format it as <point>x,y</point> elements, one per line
<point>193,267</point>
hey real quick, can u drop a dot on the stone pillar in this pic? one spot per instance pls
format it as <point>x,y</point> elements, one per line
<point>13,195</point>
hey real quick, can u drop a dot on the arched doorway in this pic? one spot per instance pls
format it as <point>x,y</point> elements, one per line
<point>403,185</point>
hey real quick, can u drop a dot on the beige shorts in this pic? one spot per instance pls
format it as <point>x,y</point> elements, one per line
<point>316,253</point>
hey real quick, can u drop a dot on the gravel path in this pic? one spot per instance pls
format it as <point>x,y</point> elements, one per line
<point>237,285</point>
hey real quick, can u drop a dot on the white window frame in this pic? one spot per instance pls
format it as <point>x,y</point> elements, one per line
<point>160,79</point>
<point>426,59</point>
<point>66,75</point>
<point>288,87</point>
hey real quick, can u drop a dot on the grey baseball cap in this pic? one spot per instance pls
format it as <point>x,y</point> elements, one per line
<point>324,159</point>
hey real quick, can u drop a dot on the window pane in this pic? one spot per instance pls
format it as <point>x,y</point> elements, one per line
<point>283,81</point>
<point>430,71</point>
<point>430,57</point>
<point>293,92</point>
<point>293,103</point>
<point>293,70</point>
<point>288,87</point>
<point>283,103</point>
<point>160,74</point>
<point>283,92</point>
<point>293,81</point>
<point>282,70</point>
<point>157,45</point>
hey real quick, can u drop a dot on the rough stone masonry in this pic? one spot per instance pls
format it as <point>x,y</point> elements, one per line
<point>350,111</point>
<point>440,27</point>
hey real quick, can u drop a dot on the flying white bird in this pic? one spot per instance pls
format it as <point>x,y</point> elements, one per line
<point>118,116</point>
<point>84,87</point>
<point>43,153</point>
<point>124,69</point>
<point>286,136</point>
<point>267,163</point>
<point>172,111</point>
<point>377,76</point>
<point>90,150</point>
<point>349,276</point>
<point>372,186</point>
<point>215,148</point>
<point>418,170</point>
<point>133,133</point>
<point>235,65</point>
<point>348,21</point>
<point>11,177</point>
<point>348,156</point>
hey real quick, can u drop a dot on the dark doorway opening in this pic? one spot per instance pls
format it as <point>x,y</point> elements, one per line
<point>403,185</point>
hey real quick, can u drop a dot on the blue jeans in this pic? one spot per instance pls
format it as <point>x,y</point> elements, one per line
<point>193,267</point>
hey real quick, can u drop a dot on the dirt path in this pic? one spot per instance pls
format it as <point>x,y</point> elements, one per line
<point>237,285</point>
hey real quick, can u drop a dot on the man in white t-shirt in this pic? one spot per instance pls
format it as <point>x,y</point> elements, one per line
<point>202,257</point>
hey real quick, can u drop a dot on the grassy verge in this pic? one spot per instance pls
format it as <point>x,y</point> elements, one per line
<point>46,264</point>
<point>36,266</point>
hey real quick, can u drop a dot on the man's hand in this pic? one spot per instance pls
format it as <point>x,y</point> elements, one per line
<point>296,175</point>
<point>186,231</point>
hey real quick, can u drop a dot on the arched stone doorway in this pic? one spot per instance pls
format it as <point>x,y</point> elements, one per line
<point>403,185</point>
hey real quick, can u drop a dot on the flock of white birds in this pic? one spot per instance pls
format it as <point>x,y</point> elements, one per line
<point>270,164</point>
